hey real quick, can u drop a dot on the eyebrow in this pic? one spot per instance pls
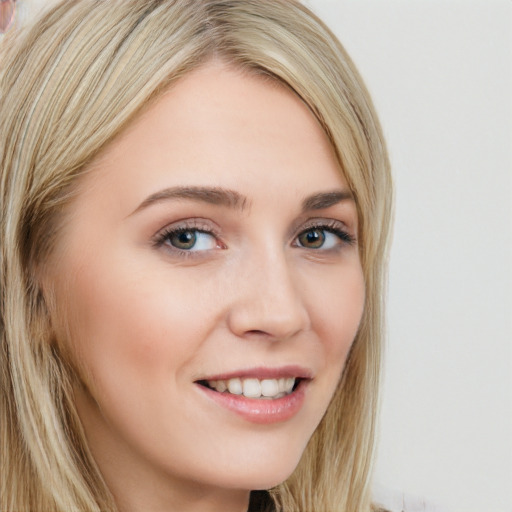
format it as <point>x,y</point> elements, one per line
<point>326,199</point>
<point>234,200</point>
<point>211,195</point>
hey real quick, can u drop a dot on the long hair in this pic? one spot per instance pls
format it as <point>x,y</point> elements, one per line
<point>68,86</point>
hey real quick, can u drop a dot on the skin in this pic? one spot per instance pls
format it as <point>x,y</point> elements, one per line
<point>143,321</point>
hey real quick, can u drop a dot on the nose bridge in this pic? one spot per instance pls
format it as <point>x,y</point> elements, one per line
<point>268,299</point>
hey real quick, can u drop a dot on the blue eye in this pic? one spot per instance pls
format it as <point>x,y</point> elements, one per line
<point>190,240</point>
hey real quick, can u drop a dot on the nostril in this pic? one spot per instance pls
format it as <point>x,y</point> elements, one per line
<point>274,313</point>
<point>257,332</point>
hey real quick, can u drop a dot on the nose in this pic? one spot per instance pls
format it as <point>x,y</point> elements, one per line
<point>267,300</point>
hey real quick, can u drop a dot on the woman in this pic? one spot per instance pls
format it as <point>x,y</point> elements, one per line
<point>195,208</point>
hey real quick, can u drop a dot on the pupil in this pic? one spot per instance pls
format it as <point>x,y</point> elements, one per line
<point>185,240</point>
<point>313,238</point>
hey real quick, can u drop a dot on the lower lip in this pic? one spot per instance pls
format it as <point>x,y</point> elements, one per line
<point>260,410</point>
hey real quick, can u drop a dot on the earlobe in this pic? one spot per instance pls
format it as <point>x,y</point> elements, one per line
<point>50,334</point>
<point>42,331</point>
<point>43,306</point>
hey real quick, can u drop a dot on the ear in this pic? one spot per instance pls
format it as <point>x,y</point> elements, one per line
<point>41,328</point>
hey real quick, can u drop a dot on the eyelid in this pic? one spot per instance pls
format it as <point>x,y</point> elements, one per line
<point>335,226</point>
<point>195,224</point>
<point>328,223</point>
<point>322,221</point>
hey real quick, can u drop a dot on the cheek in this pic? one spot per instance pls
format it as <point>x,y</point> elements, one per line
<point>336,311</point>
<point>120,325</point>
<point>131,322</point>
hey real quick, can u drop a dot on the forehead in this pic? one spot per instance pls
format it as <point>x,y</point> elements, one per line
<point>220,126</point>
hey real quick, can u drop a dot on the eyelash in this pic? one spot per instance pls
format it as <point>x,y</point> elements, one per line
<point>334,227</point>
<point>188,226</point>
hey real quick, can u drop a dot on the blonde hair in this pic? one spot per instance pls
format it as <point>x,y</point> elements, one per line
<point>68,86</point>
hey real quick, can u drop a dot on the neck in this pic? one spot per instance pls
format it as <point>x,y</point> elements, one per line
<point>138,490</point>
<point>137,500</point>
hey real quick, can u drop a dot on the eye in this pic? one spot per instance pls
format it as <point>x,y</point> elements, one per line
<point>318,239</point>
<point>190,240</point>
<point>324,237</point>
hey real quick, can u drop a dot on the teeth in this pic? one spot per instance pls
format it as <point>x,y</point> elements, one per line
<point>252,388</point>
<point>269,387</point>
<point>255,388</point>
<point>235,386</point>
<point>221,386</point>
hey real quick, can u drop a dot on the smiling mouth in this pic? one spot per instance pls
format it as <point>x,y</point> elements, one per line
<point>259,389</point>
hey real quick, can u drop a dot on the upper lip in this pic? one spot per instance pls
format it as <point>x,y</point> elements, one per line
<point>263,372</point>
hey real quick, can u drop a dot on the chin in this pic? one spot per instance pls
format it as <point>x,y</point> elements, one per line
<point>266,473</point>
<point>269,483</point>
<point>260,481</point>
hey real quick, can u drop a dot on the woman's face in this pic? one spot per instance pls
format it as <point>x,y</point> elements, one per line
<point>212,244</point>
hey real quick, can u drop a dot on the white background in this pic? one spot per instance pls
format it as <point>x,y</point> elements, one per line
<point>440,73</point>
